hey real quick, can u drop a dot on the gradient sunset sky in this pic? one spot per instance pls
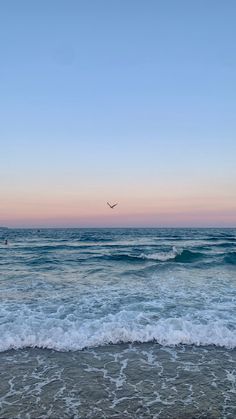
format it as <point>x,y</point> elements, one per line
<point>127,101</point>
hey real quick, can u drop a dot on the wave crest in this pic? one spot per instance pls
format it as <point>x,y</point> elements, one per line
<point>176,255</point>
<point>123,327</point>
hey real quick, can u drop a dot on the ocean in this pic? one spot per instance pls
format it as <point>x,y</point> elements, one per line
<point>118,323</point>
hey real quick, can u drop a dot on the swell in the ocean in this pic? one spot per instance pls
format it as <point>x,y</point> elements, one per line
<point>174,255</point>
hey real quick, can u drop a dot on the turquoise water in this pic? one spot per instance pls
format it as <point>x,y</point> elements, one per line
<point>118,323</point>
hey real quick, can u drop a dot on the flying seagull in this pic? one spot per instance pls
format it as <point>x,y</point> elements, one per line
<point>111,206</point>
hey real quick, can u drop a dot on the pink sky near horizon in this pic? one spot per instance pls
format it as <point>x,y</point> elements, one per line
<point>137,207</point>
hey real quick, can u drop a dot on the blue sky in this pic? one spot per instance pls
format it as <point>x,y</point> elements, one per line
<point>118,100</point>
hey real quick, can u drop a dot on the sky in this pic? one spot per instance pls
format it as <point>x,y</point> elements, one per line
<point>124,101</point>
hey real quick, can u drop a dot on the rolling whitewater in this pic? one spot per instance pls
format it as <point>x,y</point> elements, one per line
<point>123,323</point>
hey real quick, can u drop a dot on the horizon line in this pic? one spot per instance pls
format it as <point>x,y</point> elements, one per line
<point>122,227</point>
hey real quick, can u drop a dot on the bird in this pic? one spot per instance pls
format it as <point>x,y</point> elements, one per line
<point>112,206</point>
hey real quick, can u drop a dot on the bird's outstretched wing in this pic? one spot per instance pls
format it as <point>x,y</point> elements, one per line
<point>112,206</point>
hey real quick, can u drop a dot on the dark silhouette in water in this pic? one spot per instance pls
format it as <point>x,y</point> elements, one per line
<point>112,206</point>
<point>6,242</point>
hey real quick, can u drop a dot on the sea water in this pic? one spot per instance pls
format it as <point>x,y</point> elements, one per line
<point>118,323</point>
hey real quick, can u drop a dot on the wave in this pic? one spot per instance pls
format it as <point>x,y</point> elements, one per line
<point>188,256</point>
<point>180,256</point>
<point>47,249</point>
<point>230,258</point>
<point>123,327</point>
<point>162,256</point>
<point>223,245</point>
<point>174,255</point>
<point>220,238</point>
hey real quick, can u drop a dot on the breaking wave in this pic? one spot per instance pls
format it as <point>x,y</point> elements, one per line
<point>123,327</point>
<point>174,255</point>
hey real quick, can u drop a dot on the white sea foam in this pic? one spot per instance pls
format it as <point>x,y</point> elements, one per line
<point>64,335</point>
<point>163,256</point>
